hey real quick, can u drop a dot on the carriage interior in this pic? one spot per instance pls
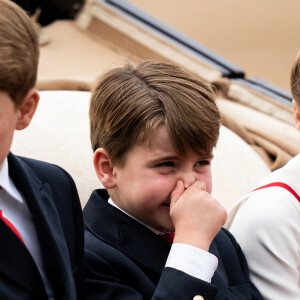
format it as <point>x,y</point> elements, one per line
<point>257,133</point>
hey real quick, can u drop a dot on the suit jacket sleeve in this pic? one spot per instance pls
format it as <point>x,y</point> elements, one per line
<point>111,275</point>
<point>104,283</point>
<point>125,260</point>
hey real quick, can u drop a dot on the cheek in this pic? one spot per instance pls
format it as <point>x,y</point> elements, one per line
<point>206,177</point>
<point>6,137</point>
<point>159,186</point>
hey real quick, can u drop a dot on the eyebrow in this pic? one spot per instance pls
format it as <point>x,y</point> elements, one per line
<point>174,157</point>
<point>162,158</point>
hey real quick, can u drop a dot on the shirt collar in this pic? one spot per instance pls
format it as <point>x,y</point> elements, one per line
<point>7,184</point>
<point>110,201</point>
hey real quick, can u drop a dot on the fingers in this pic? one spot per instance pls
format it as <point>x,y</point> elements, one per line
<point>199,185</point>
<point>180,189</point>
<point>197,217</point>
<point>177,192</point>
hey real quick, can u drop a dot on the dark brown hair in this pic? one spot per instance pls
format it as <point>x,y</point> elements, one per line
<point>129,103</point>
<point>19,51</point>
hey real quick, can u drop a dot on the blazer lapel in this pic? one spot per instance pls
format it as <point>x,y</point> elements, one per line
<point>48,226</point>
<point>17,263</point>
<point>117,229</point>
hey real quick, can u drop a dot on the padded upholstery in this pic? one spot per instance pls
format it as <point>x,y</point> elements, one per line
<point>59,133</point>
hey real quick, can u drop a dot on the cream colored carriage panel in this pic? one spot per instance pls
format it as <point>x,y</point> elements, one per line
<point>79,51</point>
<point>270,128</point>
<point>59,134</point>
<point>73,56</point>
<point>236,168</point>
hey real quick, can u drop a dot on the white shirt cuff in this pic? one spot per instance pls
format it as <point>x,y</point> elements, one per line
<point>193,261</point>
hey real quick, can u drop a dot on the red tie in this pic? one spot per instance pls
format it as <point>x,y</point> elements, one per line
<point>168,237</point>
<point>11,226</point>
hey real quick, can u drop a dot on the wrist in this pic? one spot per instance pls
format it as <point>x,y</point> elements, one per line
<point>193,240</point>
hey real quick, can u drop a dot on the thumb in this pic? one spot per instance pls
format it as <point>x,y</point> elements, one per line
<point>177,192</point>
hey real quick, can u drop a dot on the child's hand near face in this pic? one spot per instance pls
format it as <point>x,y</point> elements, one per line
<point>196,216</point>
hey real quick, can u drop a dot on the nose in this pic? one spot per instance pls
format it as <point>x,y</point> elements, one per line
<point>188,178</point>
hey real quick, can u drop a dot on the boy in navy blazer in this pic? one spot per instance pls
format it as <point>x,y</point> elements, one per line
<point>153,128</point>
<point>41,225</point>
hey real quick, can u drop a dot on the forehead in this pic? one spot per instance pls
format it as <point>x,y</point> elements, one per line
<point>158,146</point>
<point>159,141</point>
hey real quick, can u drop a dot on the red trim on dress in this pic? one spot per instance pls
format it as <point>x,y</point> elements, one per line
<point>280,184</point>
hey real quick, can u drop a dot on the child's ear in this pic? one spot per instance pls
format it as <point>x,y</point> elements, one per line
<point>27,109</point>
<point>104,168</point>
<point>296,114</point>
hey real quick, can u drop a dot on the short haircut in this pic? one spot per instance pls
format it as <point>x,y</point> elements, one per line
<point>129,103</point>
<point>19,51</point>
<point>295,79</point>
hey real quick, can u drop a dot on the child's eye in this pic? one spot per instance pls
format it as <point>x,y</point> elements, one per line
<point>203,162</point>
<point>166,167</point>
<point>166,164</point>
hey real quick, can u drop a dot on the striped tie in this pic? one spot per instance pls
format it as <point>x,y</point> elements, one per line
<point>11,226</point>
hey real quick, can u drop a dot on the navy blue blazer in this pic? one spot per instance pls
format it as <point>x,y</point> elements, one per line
<point>53,201</point>
<point>125,260</point>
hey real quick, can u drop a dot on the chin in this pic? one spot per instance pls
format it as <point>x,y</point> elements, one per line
<point>164,224</point>
<point>169,228</point>
<point>165,228</point>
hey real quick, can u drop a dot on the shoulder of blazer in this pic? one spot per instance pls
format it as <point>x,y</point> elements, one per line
<point>43,170</point>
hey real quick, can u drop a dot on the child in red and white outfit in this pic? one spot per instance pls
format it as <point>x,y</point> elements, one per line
<point>266,223</point>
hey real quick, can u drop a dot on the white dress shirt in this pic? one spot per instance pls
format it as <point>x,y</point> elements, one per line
<point>15,209</point>
<point>186,258</point>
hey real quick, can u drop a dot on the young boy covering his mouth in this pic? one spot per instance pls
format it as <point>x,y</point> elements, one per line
<point>153,128</point>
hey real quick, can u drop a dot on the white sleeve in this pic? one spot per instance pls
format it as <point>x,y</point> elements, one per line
<point>193,261</point>
<point>267,227</point>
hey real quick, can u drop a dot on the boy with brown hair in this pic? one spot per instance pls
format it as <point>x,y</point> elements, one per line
<point>153,129</point>
<point>41,226</point>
